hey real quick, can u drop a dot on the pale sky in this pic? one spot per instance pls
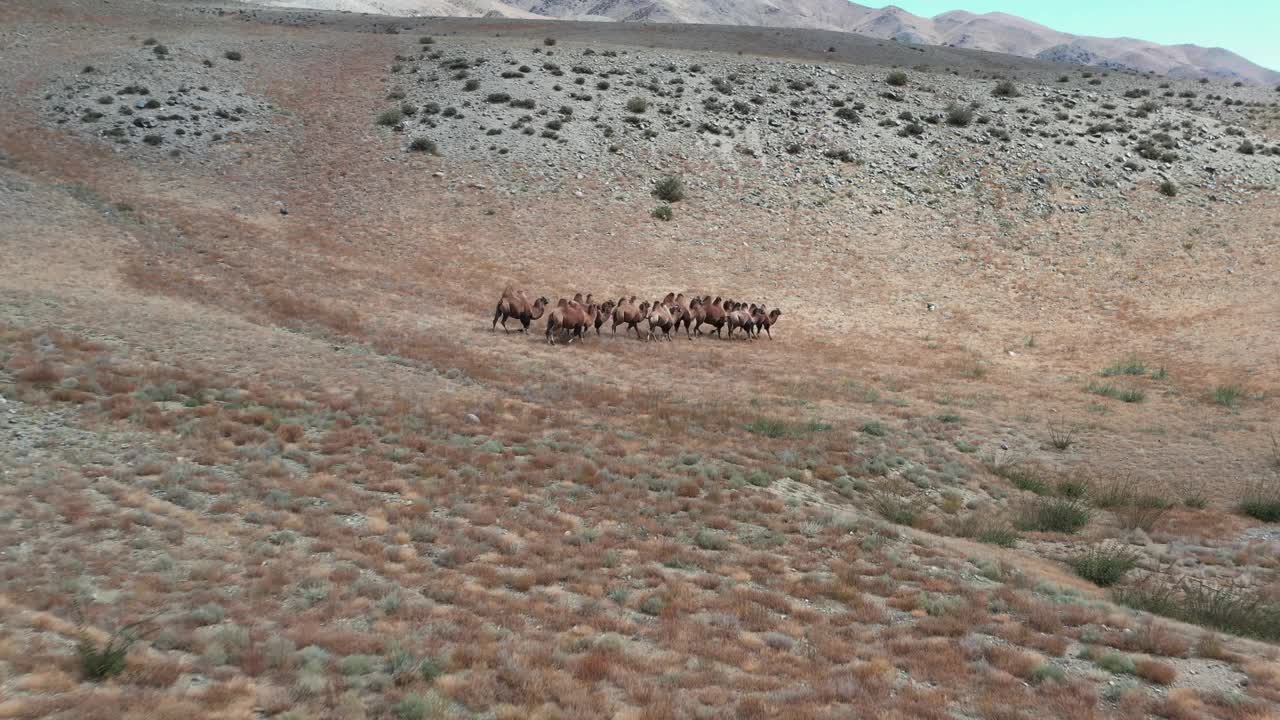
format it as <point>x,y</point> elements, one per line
<point>1250,28</point>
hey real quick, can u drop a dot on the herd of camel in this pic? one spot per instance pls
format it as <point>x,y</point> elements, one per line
<point>572,319</point>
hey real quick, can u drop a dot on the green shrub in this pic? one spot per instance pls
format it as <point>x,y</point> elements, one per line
<point>669,189</point>
<point>663,212</point>
<point>1024,476</point>
<point>958,115</point>
<point>653,605</point>
<point>1072,488</point>
<point>1261,500</point>
<point>1132,366</point>
<point>424,145</point>
<point>1006,89</point>
<point>1104,565</point>
<point>1047,672</point>
<point>391,117</point>
<point>1240,611</point>
<point>101,663</point>
<point>637,105</point>
<point>418,707</point>
<point>1168,188</point>
<point>1129,395</point>
<point>1117,663</point>
<point>774,428</point>
<point>874,428</point>
<point>897,78</point>
<point>1001,535</point>
<point>1228,395</point>
<point>896,508</point>
<point>1054,515</point>
<point>711,540</point>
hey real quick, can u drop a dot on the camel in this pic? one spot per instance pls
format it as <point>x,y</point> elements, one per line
<point>765,320</point>
<point>660,318</point>
<point>739,317</point>
<point>686,315</point>
<point>606,311</point>
<point>571,318</point>
<point>629,314</point>
<point>515,304</point>
<point>712,312</point>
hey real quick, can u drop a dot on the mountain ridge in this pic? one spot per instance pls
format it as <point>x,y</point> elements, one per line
<point>994,31</point>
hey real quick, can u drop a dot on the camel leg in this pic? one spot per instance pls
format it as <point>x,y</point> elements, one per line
<point>770,334</point>
<point>496,312</point>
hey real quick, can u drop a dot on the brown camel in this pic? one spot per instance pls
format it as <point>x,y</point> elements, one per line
<point>571,318</point>
<point>765,319</point>
<point>740,318</point>
<point>515,304</point>
<point>712,313</point>
<point>660,318</point>
<point>629,314</point>
<point>606,311</point>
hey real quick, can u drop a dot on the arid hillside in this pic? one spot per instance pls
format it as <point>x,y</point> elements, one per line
<point>1010,450</point>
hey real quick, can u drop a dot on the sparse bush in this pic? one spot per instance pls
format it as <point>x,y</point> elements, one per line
<point>1132,366</point>
<point>99,663</point>
<point>669,189</point>
<point>663,212</point>
<point>1129,395</point>
<point>1054,515</point>
<point>471,85</point>
<point>549,42</point>
<point>896,508</point>
<point>711,540</point>
<point>1168,189</point>
<point>1104,565</point>
<point>1155,671</point>
<point>1261,500</point>
<point>153,139</point>
<point>419,707</point>
<point>847,114</point>
<point>497,98</point>
<point>1235,610</point>
<point>1061,435</point>
<point>233,55</point>
<point>959,115</point>
<point>1005,89</point>
<point>1228,396</point>
<point>1246,148</point>
<point>998,534</point>
<point>1047,671</point>
<point>637,105</point>
<point>1116,663</point>
<point>424,145</point>
<point>391,117</point>
<point>426,40</point>
<point>897,78</point>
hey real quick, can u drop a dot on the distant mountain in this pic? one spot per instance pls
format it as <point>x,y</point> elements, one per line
<point>996,32</point>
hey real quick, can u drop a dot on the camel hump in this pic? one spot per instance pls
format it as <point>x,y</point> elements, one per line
<point>562,303</point>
